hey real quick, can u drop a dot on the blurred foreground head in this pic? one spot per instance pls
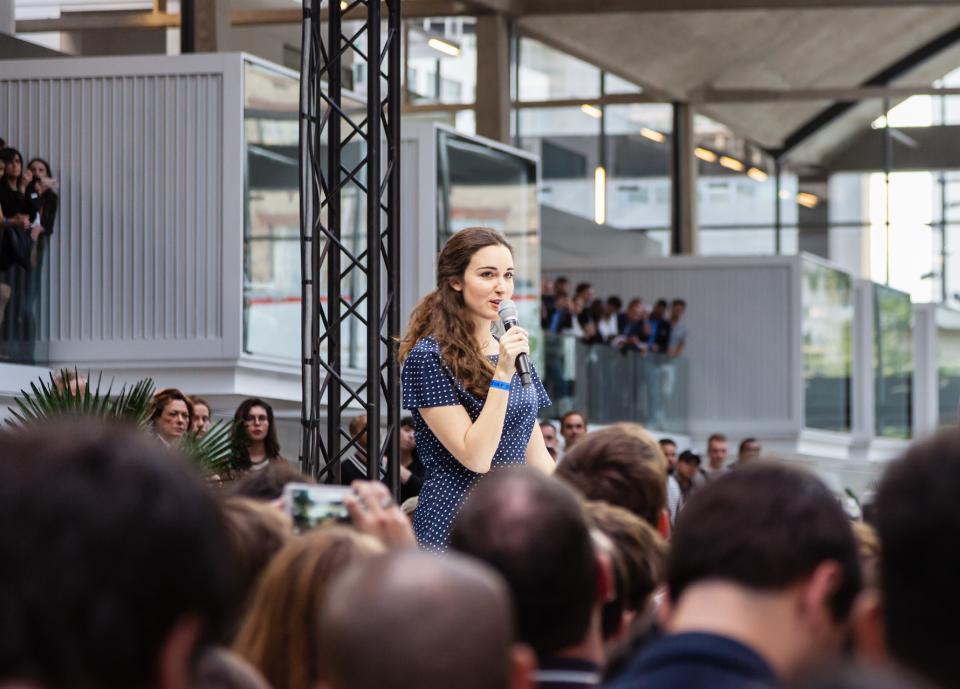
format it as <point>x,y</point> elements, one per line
<point>411,620</point>
<point>918,520</point>
<point>115,566</point>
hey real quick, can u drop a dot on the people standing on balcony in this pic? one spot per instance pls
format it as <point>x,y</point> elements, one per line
<point>591,327</point>
<point>470,410</point>
<point>634,332</point>
<point>172,415</point>
<point>573,426</point>
<point>610,324</point>
<point>659,321</point>
<point>678,329</point>
<point>255,435</point>
<point>41,191</point>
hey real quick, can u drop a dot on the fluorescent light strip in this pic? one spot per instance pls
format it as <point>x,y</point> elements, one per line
<point>731,163</point>
<point>652,134</point>
<point>757,174</point>
<point>600,195</point>
<point>807,200</point>
<point>591,110</point>
<point>705,155</point>
<point>444,47</point>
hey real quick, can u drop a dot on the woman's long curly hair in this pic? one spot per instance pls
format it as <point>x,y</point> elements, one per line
<point>442,314</point>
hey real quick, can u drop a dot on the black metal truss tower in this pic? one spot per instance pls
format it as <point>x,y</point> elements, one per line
<point>350,168</point>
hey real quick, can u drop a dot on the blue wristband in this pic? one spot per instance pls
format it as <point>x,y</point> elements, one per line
<point>499,385</point>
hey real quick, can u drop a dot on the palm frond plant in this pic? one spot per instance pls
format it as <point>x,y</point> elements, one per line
<point>212,453</point>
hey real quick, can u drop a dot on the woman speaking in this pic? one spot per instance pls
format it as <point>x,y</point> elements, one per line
<point>471,413</point>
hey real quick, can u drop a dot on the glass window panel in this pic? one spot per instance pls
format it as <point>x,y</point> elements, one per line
<point>547,74</point>
<point>827,330</point>
<point>948,365</point>
<point>892,362</point>
<point>638,166</point>
<point>567,142</point>
<point>441,60</point>
<point>612,84</point>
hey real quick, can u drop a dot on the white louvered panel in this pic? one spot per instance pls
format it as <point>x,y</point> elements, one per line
<point>137,244</point>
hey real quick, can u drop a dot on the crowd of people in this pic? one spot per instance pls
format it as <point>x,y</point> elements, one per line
<point>29,198</point>
<point>123,568</point>
<point>657,330</point>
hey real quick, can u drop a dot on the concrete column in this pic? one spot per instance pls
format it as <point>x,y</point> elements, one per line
<point>493,77</point>
<point>8,24</point>
<point>685,237</point>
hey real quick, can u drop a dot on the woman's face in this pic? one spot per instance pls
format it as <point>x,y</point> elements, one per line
<point>39,169</point>
<point>487,281</point>
<point>201,419</point>
<point>13,168</point>
<point>174,420</point>
<point>257,423</point>
<point>408,439</point>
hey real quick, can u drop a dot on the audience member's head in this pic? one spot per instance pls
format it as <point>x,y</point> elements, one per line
<point>561,286</point>
<point>642,554</point>
<point>280,634</point>
<point>717,451</point>
<point>550,437</point>
<point>507,522</point>
<point>669,448</point>
<point>636,310</point>
<point>255,428</point>
<point>573,426</point>
<point>918,520</point>
<point>408,436</point>
<point>688,464</point>
<point>115,560</point>
<point>583,292</point>
<point>70,379</point>
<point>267,485</point>
<point>40,169</point>
<point>659,308</point>
<point>749,450</point>
<point>766,555</point>
<point>219,668</point>
<point>172,415</point>
<point>622,465</point>
<point>201,415</point>
<point>677,308</point>
<point>12,165</point>
<point>614,305</point>
<point>257,531</point>
<point>411,620</point>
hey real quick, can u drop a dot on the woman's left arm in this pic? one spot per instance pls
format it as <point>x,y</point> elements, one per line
<point>536,454</point>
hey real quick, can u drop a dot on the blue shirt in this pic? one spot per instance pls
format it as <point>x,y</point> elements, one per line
<point>428,382</point>
<point>696,660</point>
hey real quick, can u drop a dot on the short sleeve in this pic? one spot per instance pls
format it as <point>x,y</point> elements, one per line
<point>543,399</point>
<point>426,382</point>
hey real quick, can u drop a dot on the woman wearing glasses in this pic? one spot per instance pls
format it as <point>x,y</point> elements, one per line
<point>255,436</point>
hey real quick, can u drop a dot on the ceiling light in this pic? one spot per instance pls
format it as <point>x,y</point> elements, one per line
<point>444,46</point>
<point>344,5</point>
<point>757,174</point>
<point>731,163</point>
<point>600,195</point>
<point>807,200</point>
<point>591,110</point>
<point>705,155</point>
<point>652,134</point>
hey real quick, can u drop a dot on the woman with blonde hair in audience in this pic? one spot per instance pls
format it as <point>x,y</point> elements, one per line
<point>280,634</point>
<point>172,415</point>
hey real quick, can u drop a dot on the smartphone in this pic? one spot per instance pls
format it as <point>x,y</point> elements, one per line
<point>310,505</point>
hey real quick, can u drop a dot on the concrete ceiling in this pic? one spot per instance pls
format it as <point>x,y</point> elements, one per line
<point>679,54</point>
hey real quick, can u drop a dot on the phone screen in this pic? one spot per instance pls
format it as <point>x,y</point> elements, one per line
<point>311,505</point>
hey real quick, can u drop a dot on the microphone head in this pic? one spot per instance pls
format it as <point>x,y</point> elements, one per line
<point>507,311</point>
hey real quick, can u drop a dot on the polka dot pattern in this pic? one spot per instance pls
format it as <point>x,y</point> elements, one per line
<point>428,382</point>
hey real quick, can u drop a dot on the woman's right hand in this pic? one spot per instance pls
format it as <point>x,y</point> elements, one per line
<point>514,342</point>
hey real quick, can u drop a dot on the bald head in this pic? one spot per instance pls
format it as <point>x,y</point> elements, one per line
<point>531,529</point>
<point>411,620</point>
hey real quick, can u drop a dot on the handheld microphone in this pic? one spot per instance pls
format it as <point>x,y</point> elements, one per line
<point>508,319</point>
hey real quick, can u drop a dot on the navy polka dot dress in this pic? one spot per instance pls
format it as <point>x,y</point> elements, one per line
<point>427,382</point>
